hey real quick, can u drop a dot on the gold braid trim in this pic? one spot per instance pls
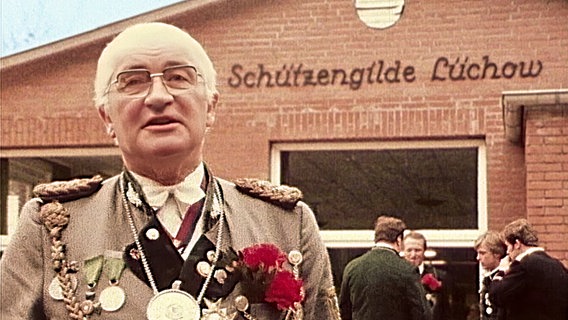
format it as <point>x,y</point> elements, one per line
<point>68,190</point>
<point>333,304</point>
<point>55,218</point>
<point>283,195</point>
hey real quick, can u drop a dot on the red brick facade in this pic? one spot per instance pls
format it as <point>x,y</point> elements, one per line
<point>500,46</point>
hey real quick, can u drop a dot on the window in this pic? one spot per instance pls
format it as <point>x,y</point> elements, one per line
<point>436,187</point>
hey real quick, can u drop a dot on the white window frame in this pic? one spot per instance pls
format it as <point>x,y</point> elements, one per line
<point>462,238</point>
<point>14,211</point>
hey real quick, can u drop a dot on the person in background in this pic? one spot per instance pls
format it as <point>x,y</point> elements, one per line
<point>490,250</point>
<point>380,284</point>
<point>530,284</point>
<point>435,281</point>
<point>166,238</point>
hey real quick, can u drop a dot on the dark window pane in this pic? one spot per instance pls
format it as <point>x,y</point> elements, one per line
<point>348,189</point>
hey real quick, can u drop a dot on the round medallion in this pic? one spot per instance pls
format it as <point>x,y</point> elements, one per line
<point>173,304</point>
<point>87,306</point>
<point>55,290</point>
<point>112,298</point>
<point>203,268</point>
<point>295,257</point>
<point>489,310</point>
<point>210,255</point>
<point>241,303</point>
<point>220,275</point>
<point>152,234</point>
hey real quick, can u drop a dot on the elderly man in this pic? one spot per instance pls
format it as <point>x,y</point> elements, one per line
<point>165,239</point>
<point>531,284</point>
<point>380,284</point>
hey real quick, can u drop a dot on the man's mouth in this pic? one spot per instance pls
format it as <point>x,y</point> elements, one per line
<point>160,122</point>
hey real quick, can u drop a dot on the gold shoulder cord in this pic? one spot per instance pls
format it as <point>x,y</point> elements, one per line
<point>55,218</point>
<point>333,304</point>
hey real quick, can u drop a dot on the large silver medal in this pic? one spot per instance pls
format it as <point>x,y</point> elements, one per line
<point>112,298</point>
<point>173,304</point>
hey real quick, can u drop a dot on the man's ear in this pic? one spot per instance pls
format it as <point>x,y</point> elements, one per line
<point>211,108</point>
<point>107,120</point>
<point>104,115</point>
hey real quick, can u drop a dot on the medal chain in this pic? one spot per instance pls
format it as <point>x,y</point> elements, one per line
<point>217,207</point>
<point>145,264</point>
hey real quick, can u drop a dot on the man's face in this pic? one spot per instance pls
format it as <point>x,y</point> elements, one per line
<point>159,127</point>
<point>486,258</point>
<point>414,251</point>
<point>513,249</point>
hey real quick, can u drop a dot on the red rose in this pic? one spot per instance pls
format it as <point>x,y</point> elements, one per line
<point>285,290</point>
<point>431,281</point>
<point>263,256</point>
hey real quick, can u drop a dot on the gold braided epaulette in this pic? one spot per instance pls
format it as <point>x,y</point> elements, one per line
<point>63,191</point>
<point>284,196</point>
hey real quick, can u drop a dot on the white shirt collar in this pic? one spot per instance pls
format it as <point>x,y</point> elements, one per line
<point>421,268</point>
<point>527,252</point>
<point>188,191</point>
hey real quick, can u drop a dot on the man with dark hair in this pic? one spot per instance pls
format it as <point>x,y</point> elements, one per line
<point>380,284</point>
<point>490,250</point>
<point>531,284</point>
<point>435,281</point>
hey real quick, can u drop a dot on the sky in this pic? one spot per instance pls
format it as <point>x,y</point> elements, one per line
<point>27,24</point>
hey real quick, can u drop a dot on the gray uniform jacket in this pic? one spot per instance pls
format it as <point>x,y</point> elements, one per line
<point>98,225</point>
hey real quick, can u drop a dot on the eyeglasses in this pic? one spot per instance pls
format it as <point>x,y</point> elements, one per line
<point>136,83</point>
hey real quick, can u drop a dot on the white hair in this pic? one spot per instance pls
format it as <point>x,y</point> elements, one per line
<point>147,34</point>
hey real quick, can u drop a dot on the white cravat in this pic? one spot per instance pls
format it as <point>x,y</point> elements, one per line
<point>172,209</point>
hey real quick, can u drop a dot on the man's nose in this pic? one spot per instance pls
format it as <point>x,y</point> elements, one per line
<point>158,92</point>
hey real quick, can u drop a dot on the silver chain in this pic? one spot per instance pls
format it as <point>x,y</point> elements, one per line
<point>217,207</point>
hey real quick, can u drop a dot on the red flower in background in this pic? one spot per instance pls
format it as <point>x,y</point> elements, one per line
<point>431,282</point>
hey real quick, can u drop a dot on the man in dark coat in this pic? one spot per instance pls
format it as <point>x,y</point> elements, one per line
<point>380,284</point>
<point>531,285</point>
<point>490,250</point>
<point>435,281</point>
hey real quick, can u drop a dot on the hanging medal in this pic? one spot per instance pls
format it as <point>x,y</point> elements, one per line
<point>173,304</point>
<point>93,268</point>
<point>113,297</point>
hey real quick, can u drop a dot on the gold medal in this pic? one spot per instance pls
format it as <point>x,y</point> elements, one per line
<point>173,304</point>
<point>112,298</point>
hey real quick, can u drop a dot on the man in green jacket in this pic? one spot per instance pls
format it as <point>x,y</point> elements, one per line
<point>380,284</point>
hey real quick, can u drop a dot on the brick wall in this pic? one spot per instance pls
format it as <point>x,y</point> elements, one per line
<point>326,35</point>
<point>546,148</point>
